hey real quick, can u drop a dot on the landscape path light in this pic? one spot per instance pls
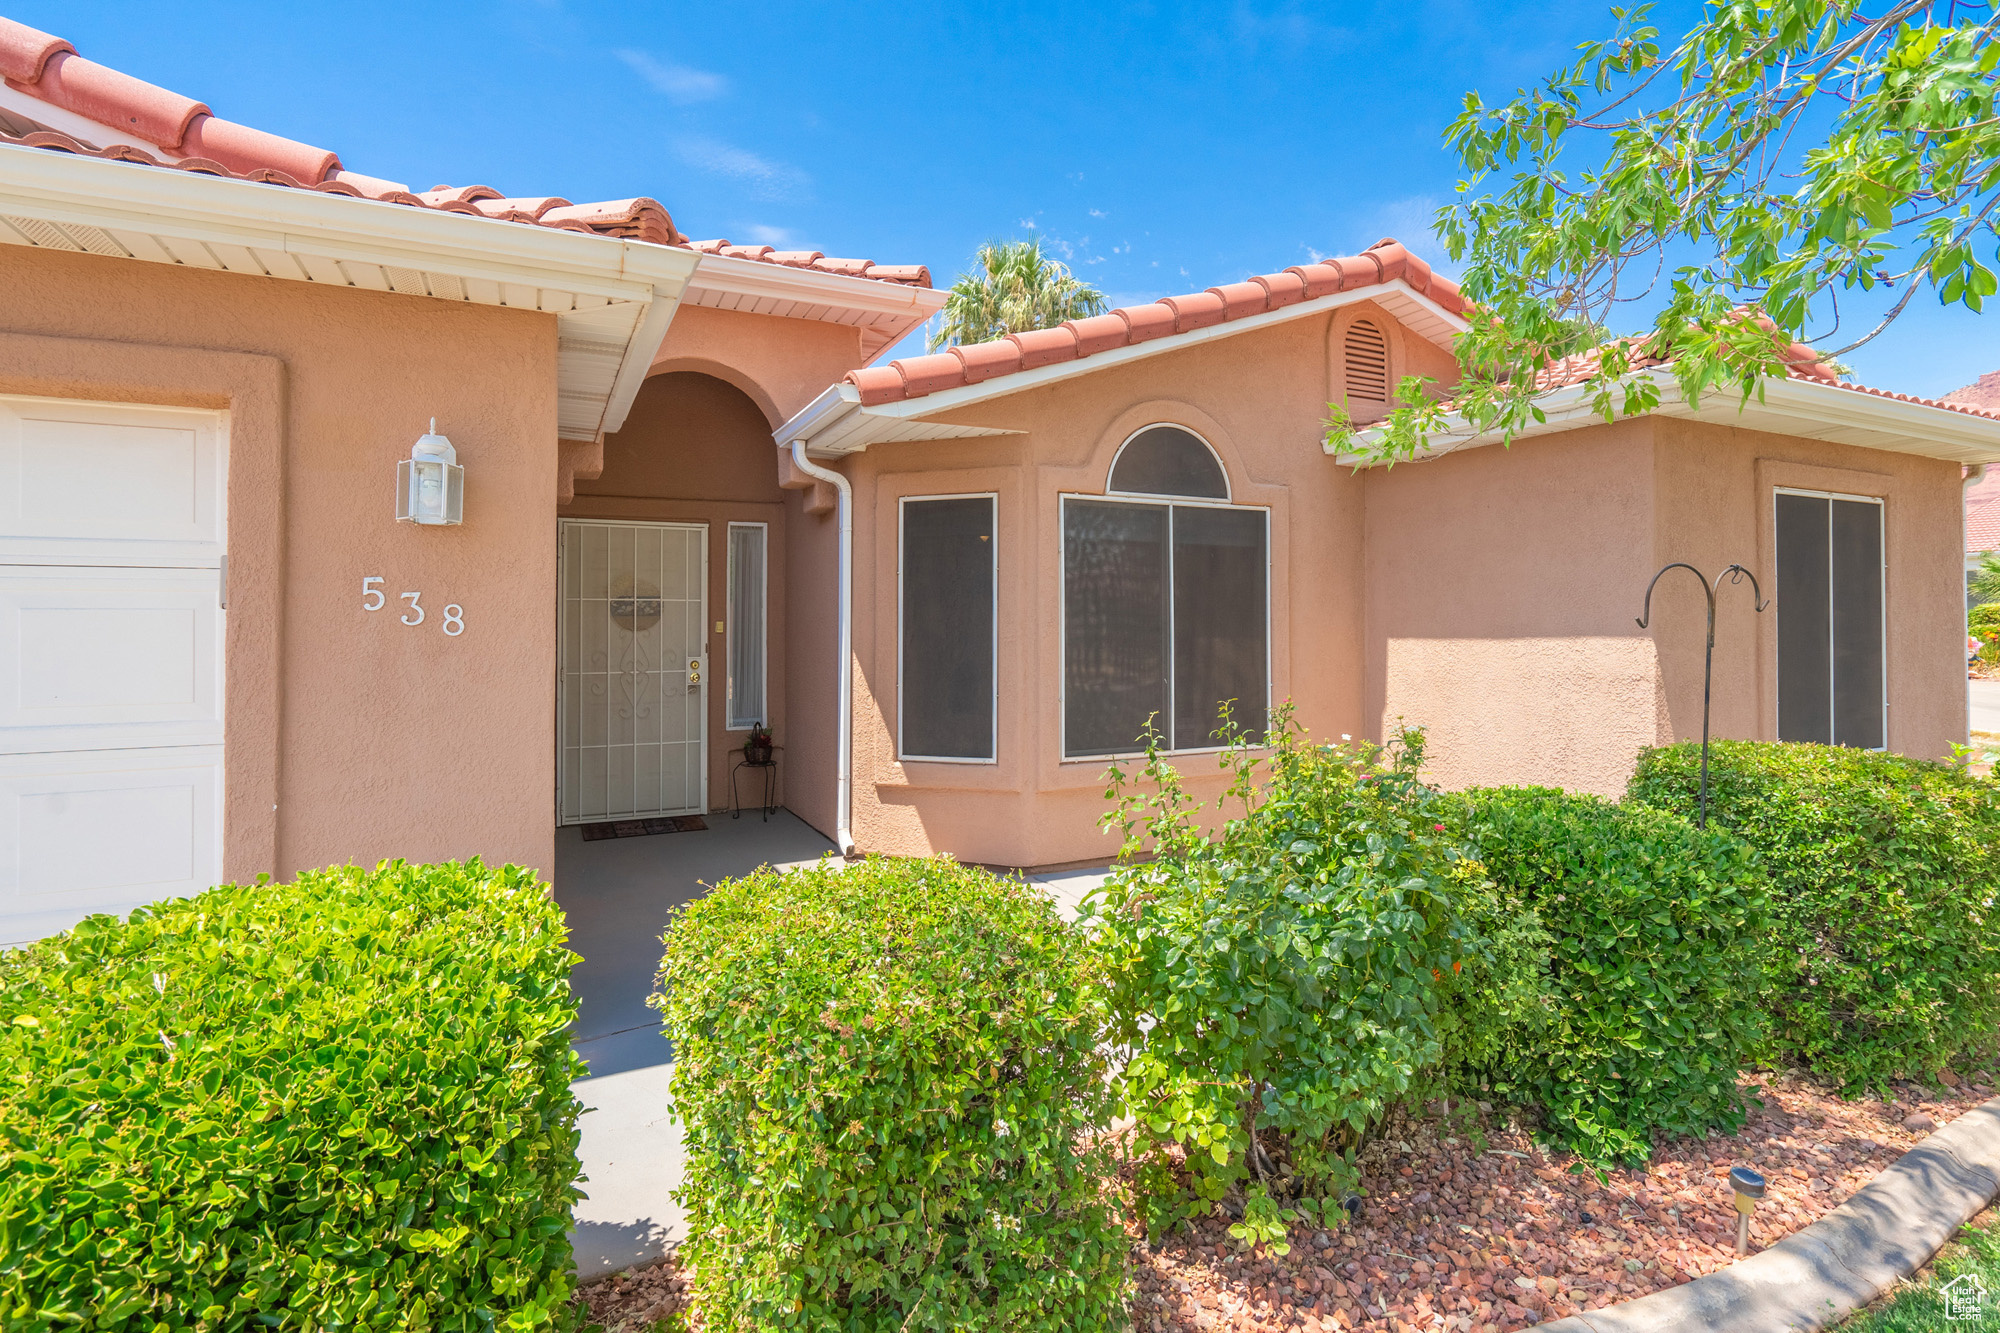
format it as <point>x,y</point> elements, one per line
<point>1749,1187</point>
<point>430,485</point>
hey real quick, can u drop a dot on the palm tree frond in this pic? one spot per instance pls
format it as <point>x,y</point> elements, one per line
<point>1011,287</point>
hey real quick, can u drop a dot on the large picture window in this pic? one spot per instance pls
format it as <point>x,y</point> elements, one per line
<point>1165,604</point>
<point>948,571</point>
<point>1831,672</point>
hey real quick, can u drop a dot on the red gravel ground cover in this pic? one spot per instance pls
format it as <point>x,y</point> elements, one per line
<point>1453,1237</point>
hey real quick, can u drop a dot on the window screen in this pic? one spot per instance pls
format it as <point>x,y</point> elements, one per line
<point>948,626</point>
<point>1164,617</point>
<point>1166,460</point>
<point>1115,624</point>
<point>1219,648</point>
<point>1830,632</point>
<point>746,625</point>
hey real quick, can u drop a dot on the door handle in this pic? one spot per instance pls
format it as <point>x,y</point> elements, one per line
<point>694,672</point>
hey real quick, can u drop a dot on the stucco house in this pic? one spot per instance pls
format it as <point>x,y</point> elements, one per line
<point>695,500</point>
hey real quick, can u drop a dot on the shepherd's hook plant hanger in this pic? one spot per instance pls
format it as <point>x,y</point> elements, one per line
<point>1735,574</point>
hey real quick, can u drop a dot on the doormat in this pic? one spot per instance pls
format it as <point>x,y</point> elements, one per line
<point>640,828</point>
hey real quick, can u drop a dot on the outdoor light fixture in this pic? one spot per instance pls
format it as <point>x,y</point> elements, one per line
<point>430,485</point>
<point>1749,1187</point>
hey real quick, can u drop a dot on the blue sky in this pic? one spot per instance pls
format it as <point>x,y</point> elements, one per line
<point>1159,148</point>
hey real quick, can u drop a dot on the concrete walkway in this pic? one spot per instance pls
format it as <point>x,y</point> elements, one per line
<point>617,895</point>
<point>1984,696</point>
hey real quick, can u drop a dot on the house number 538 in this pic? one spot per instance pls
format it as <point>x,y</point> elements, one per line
<point>413,614</point>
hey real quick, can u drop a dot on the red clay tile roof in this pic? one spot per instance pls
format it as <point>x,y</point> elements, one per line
<point>1804,363</point>
<point>916,376</point>
<point>190,138</point>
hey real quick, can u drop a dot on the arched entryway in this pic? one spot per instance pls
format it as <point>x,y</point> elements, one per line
<point>671,618</point>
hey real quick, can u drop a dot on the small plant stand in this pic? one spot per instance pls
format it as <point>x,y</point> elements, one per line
<point>768,768</point>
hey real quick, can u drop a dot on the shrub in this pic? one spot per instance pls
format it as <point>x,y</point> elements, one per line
<point>1983,624</point>
<point>1280,976</point>
<point>888,1075</point>
<point>1884,872</point>
<point>338,1103</point>
<point>1655,965</point>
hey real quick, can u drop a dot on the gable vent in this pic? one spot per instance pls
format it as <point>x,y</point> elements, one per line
<point>1367,362</point>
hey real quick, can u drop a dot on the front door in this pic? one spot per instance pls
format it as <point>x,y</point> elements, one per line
<point>633,678</point>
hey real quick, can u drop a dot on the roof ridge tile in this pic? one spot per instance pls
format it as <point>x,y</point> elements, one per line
<point>1125,326</point>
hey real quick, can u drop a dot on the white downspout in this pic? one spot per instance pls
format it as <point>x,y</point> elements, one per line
<point>843,791</point>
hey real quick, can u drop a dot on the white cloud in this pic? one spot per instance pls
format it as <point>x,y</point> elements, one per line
<point>681,84</point>
<point>1026,224</point>
<point>767,180</point>
<point>1098,213</point>
<point>1409,221</point>
<point>765,235</point>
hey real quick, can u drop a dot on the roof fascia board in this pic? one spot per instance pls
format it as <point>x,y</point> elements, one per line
<point>125,196</point>
<point>640,350</point>
<point>1800,400</point>
<point>753,278</point>
<point>1002,386</point>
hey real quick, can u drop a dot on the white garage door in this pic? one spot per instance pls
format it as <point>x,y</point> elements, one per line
<point>111,624</point>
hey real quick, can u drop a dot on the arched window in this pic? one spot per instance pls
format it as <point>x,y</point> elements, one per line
<point>1166,593</point>
<point>1166,460</point>
<point>1367,362</point>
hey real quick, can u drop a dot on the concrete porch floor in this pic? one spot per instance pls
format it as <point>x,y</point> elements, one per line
<point>616,895</point>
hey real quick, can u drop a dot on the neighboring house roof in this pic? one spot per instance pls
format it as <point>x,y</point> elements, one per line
<point>902,399</point>
<point>1384,262</point>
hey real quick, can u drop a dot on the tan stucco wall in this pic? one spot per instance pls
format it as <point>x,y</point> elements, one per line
<point>370,739</point>
<point>1259,398</point>
<point>1504,586</point>
<point>780,364</point>
<point>1714,485</point>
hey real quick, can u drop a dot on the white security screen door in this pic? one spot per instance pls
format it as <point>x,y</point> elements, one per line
<point>634,670</point>
<point>111,658</point>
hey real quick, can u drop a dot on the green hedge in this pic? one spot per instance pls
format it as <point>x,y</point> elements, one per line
<point>887,1075</point>
<point>1280,974</point>
<point>1650,937</point>
<point>341,1103</point>
<point>1885,873</point>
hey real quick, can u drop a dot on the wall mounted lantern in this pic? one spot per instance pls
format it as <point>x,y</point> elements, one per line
<point>430,485</point>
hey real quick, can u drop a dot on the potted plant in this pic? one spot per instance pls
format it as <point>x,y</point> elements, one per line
<point>757,750</point>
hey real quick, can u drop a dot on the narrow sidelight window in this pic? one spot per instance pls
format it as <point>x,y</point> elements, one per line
<point>1831,673</point>
<point>1165,617</point>
<point>748,592</point>
<point>948,572</point>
